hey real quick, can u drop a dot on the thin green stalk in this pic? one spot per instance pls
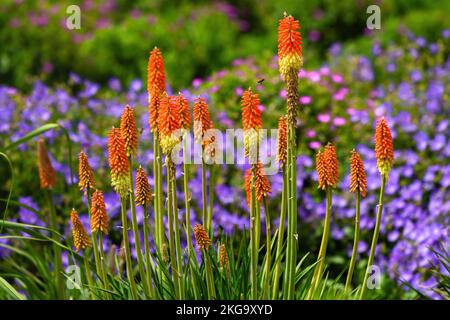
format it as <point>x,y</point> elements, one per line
<point>384,179</point>
<point>253,245</point>
<point>187,198</point>
<point>88,273</point>
<point>277,272</point>
<point>156,199</point>
<point>159,193</point>
<point>177,229</point>
<point>266,292</point>
<point>57,250</point>
<point>211,200</point>
<point>323,245</point>
<point>148,258</point>
<point>291,250</point>
<point>209,277</point>
<point>173,256</point>
<point>135,227</point>
<point>204,204</point>
<point>104,272</point>
<point>258,224</point>
<point>126,243</point>
<point>351,268</point>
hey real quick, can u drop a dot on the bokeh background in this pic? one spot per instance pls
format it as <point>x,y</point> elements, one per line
<point>352,75</point>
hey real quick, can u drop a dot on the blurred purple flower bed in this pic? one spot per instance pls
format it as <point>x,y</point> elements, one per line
<point>407,82</point>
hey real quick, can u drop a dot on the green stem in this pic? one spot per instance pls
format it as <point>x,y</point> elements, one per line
<point>266,294</point>
<point>57,250</point>
<point>126,243</point>
<point>209,277</point>
<point>155,179</point>
<point>351,268</point>
<point>88,273</point>
<point>170,215</point>
<point>211,200</point>
<point>177,229</point>
<point>103,267</point>
<point>204,207</point>
<point>253,244</point>
<point>277,272</point>
<point>159,194</point>
<point>323,245</point>
<point>384,179</point>
<point>187,198</point>
<point>291,258</point>
<point>135,227</point>
<point>148,258</point>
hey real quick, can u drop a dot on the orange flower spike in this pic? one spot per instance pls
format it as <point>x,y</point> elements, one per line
<point>183,109</point>
<point>80,238</point>
<point>129,131</point>
<point>289,45</point>
<point>144,194</point>
<point>321,170</point>
<point>118,162</point>
<point>282,140</point>
<point>251,114</point>
<point>202,119</point>
<point>85,173</point>
<point>358,180</point>
<point>99,218</point>
<point>223,257</point>
<point>201,237</point>
<point>331,165</point>
<point>247,185</point>
<point>47,174</point>
<point>262,184</point>
<point>156,78</point>
<point>153,106</point>
<point>384,147</point>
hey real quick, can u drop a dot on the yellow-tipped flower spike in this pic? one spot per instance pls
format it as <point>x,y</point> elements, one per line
<point>327,167</point>
<point>129,131</point>
<point>86,175</point>
<point>251,123</point>
<point>223,257</point>
<point>80,238</point>
<point>168,123</point>
<point>262,184</point>
<point>289,46</point>
<point>99,218</point>
<point>144,194</point>
<point>384,147</point>
<point>47,174</point>
<point>118,162</point>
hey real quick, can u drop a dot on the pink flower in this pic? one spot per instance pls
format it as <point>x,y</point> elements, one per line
<point>305,99</point>
<point>283,94</point>
<point>314,145</point>
<point>314,76</point>
<point>337,78</point>
<point>302,73</point>
<point>339,121</point>
<point>324,117</point>
<point>310,133</point>
<point>325,71</point>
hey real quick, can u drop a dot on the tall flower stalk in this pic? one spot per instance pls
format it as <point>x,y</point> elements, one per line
<point>99,226</point>
<point>168,128</point>
<point>144,198</point>
<point>252,123</point>
<point>358,185</point>
<point>120,167</point>
<point>328,176</point>
<point>202,123</point>
<point>281,158</point>
<point>290,60</point>
<point>156,86</point>
<point>47,178</point>
<point>384,152</point>
<point>129,134</point>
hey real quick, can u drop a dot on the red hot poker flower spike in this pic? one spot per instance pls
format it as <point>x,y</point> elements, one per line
<point>384,147</point>
<point>289,45</point>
